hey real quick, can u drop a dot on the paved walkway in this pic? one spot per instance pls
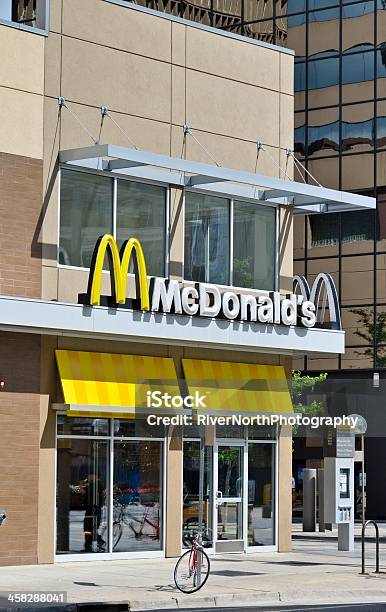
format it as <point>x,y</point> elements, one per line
<point>315,572</point>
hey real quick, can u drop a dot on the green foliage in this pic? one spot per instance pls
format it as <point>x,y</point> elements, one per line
<point>301,385</point>
<point>242,271</point>
<point>372,332</point>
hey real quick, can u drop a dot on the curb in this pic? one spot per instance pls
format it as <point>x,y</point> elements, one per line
<point>261,597</point>
<point>103,606</point>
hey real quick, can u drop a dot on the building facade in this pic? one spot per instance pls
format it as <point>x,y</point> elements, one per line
<point>137,124</point>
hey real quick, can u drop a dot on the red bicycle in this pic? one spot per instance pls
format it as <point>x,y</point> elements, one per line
<point>192,568</point>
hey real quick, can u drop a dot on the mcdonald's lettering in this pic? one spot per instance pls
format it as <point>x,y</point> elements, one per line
<point>119,262</point>
<point>169,296</point>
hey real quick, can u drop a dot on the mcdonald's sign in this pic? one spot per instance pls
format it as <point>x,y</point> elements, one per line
<point>313,295</point>
<point>119,262</point>
<point>171,296</point>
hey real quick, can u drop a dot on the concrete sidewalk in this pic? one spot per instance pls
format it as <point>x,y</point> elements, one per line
<point>315,572</point>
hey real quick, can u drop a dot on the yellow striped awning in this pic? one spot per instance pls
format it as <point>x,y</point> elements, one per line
<point>108,384</point>
<point>238,388</point>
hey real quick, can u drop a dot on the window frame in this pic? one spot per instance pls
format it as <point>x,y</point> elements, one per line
<point>43,31</point>
<point>231,201</point>
<point>115,179</point>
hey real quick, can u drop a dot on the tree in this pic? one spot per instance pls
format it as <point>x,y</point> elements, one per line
<point>301,385</point>
<point>373,332</point>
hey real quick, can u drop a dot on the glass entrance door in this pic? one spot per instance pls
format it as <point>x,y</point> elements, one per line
<point>229,492</point>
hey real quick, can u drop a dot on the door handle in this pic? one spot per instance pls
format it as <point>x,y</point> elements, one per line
<point>219,498</point>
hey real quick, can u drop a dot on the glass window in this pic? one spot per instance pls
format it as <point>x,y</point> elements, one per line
<point>74,426</point>
<point>261,488</point>
<point>254,245</point>
<point>327,15</point>
<point>137,428</point>
<point>141,213</point>
<point>358,27</point>
<point>300,140</point>
<point>300,76</point>
<point>324,230</point>
<point>82,496</point>
<point>206,239</point>
<point>318,4</point>
<point>323,137</point>
<point>86,204</point>
<point>137,496</point>
<point>191,474</point>
<point>357,68</point>
<point>381,125</point>
<point>323,73</point>
<point>358,127</point>
<point>357,279</point>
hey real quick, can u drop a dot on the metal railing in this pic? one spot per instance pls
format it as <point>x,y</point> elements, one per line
<point>376,546</point>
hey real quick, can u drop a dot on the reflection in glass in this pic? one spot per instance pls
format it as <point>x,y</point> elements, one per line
<point>86,202</point>
<point>230,520</point>
<point>323,73</point>
<point>300,140</point>
<point>191,491</point>
<point>357,68</point>
<point>230,472</point>
<point>254,241</point>
<point>81,426</point>
<point>322,137</point>
<point>357,133</point>
<point>137,495</point>
<point>261,486</point>
<point>141,213</point>
<point>230,460</point>
<point>324,230</point>
<point>82,515</point>
<point>206,239</point>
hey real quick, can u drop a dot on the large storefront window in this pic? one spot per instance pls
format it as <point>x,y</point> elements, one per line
<point>261,487</point>
<point>82,494</point>
<point>239,488</point>
<point>94,514</point>
<point>191,475</point>
<point>229,242</point>
<point>90,206</point>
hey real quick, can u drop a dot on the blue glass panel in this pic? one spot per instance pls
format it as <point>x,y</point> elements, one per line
<point>323,73</point>
<point>296,6</point>
<point>300,77</point>
<point>318,4</point>
<point>300,140</point>
<point>357,68</point>
<point>329,15</point>
<point>357,10</point>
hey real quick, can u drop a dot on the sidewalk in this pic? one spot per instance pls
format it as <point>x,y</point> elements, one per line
<point>315,572</point>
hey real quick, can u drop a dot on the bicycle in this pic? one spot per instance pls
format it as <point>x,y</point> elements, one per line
<point>192,568</point>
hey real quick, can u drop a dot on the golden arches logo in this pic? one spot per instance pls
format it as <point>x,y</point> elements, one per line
<point>119,262</point>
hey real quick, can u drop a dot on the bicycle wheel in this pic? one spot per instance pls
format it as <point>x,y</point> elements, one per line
<point>186,572</point>
<point>117,534</point>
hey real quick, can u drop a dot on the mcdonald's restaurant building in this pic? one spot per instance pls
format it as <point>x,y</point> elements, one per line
<point>146,249</point>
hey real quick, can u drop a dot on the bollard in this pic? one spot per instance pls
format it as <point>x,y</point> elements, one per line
<point>376,546</point>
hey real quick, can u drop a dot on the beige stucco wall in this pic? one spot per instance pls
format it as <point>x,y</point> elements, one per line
<point>154,75</point>
<point>21,92</point>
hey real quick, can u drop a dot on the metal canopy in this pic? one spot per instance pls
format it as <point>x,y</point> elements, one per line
<point>304,198</point>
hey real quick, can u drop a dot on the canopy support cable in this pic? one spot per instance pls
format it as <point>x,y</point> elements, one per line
<point>63,104</point>
<point>106,113</point>
<point>188,130</point>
